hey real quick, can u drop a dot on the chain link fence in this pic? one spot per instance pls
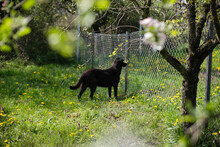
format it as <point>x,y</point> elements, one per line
<point>147,70</point>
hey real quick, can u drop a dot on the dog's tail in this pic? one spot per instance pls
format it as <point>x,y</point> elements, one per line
<point>77,85</point>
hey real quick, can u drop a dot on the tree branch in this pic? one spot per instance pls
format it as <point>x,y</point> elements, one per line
<point>215,18</point>
<point>201,23</point>
<point>206,48</point>
<point>191,16</point>
<point>145,8</point>
<point>174,62</point>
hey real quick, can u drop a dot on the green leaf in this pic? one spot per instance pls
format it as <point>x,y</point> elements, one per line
<point>88,19</point>
<point>5,48</point>
<point>5,29</point>
<point>167,3</point>
<point>62,42</point>
<point>102,4</point>
<point>28,4</point>
<point>23,31</point>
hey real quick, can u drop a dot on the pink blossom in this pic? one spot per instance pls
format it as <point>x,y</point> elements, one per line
<point>155,37</point>
<point>147,22</point>
<point>4,3</point>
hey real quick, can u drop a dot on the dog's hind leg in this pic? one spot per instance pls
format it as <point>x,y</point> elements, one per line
<point>92,89</point>
<point>109,91</point>
<point>115,91</point>
<point>83,88</point>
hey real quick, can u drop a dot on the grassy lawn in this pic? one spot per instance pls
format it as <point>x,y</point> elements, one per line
<point>38,108</point>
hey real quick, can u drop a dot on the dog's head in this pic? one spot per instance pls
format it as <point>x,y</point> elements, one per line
<point>119,62</point>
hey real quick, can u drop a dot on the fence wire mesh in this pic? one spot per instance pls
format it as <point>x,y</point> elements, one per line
<point>148,72</point>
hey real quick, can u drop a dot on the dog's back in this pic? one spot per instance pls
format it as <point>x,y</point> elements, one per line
<point>98,77</point>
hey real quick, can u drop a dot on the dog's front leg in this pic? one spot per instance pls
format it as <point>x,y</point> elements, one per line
<point>109,91</point>
<point>116,91</point>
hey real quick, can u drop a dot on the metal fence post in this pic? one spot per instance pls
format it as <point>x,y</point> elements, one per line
<point>209,66</point>
<point>140,35</point>
<point>78,34</point>
<point>92,50</point>
<point>126,60</point>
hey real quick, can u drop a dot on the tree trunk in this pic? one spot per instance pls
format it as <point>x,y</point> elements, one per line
<point>196,54</point>
<point>189,89</point>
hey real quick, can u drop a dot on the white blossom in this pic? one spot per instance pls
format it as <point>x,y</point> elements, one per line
<point>154,33</point>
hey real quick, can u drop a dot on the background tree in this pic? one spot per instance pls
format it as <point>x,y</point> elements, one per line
<point>197,51</point>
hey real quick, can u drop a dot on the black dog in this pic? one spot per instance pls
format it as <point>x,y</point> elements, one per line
<point>104,78</point>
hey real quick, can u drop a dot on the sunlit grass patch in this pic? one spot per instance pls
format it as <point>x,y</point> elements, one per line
<point>38,108</point>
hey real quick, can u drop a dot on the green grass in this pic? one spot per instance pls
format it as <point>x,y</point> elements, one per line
<point>38,108</point>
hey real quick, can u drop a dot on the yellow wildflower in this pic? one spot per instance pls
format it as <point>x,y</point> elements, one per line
<point>72,134</point>
<point>214,133</point>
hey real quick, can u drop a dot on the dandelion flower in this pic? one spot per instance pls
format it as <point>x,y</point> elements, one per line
<point>72,134</point>
<point>214,133</point>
